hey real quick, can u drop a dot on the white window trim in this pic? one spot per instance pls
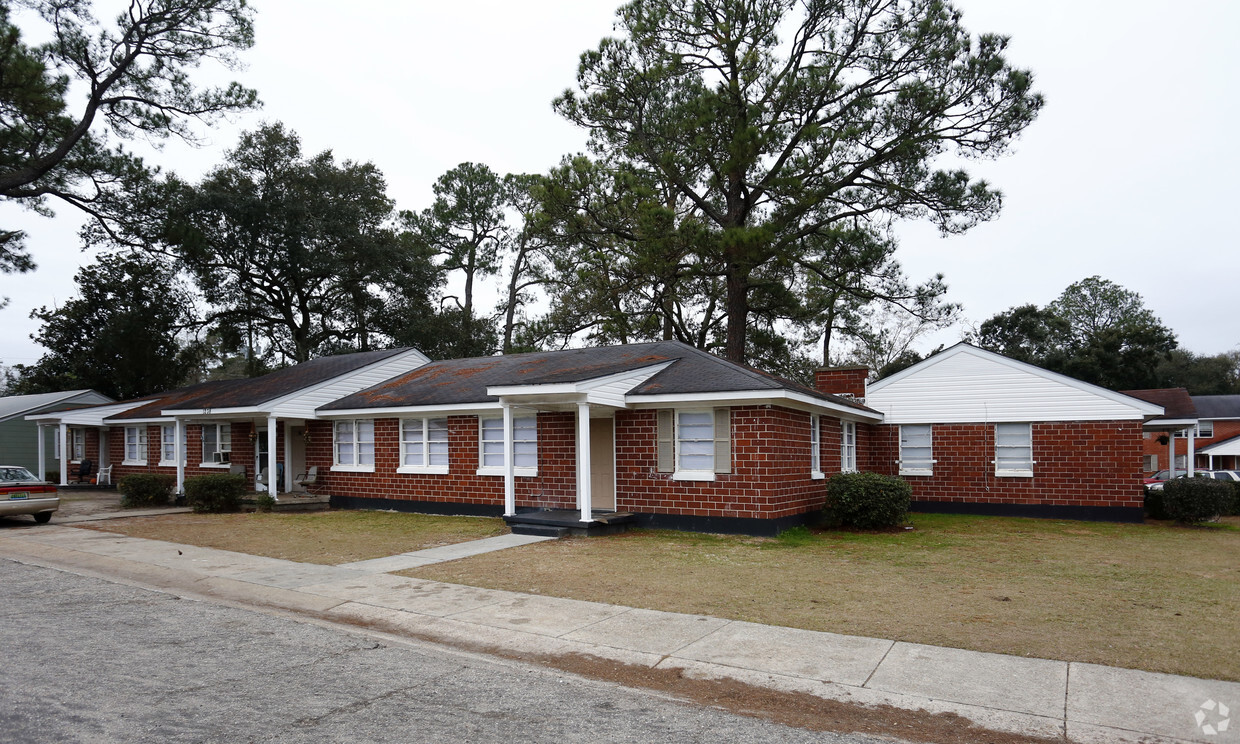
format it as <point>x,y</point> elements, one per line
<point>162,444</point>
<point>815,447</point>
<point>219,446</point>
<point>1013,473</point>
<point>425,468</point>
<point>498,470</point>
<point>1201,429</point>
<point>846,428</point>
<point>141,443</point>
<point>916,471</point>
<point>682,474</point>
<point>73,437</point>
<point>353,467</point>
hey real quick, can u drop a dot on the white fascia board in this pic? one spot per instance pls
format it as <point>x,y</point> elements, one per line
<point>582,386</point>
<point>220,414</point>
<point>128,422</point>
<point>1158,423</point>
<point>755,397</point>
<point>274,404</point>
<point>397,411</point>
<point>1225,447</point>
<point>85,416</point>
<point>1145,407</point>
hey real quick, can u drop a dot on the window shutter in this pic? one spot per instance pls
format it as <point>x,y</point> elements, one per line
<point>666,454</point>
<point>723,440</point>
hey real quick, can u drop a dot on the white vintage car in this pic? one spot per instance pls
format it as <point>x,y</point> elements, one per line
<point>23,493</point>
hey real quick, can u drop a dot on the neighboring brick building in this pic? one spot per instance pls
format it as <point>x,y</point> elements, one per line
<point>1212,422</point>
<point>977,432</point>
<point>672,435</point>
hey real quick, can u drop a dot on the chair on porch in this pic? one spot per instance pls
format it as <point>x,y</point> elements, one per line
<point>105,476</point>
<point>85,468</point>
<point>262,477</point>
<point>306,481</point>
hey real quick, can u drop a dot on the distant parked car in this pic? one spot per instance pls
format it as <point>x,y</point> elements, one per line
<point>1157,477</point>
<point>1223,475</point>
<point>23,493</point>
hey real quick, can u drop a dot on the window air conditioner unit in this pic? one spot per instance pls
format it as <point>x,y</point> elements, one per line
<point>221,457</point>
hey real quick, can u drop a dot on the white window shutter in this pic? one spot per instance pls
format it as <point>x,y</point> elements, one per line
<point>723,440</point>
<point>666,454</point>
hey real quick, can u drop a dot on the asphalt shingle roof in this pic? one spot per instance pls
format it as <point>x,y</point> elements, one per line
<point>1217,406</point>
<point>1176,402</point>
<point>456,381</point>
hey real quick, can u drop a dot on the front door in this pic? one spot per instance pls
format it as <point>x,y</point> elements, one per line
<point>602,465</point>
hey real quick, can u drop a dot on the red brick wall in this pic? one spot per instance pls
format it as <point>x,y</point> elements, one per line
<point>242,451</point>
<point>1077,463</point>
<point>554,486</point>
<point>770,464</point>
<point>770,475</point>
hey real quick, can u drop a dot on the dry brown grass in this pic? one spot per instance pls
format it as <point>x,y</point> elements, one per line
<point>1156,597</point>
<point>318,537</point>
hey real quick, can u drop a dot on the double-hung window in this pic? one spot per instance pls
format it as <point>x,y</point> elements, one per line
<point>694,444</point>
<point>1205,429</point>
<point>135,445</point>
<point>815,446</point>
<point>216,444</point>
<point>353,445</point>
<point>423,445</point>
<point>168,445</point>
<point>1014,450</point>
<point>848,447</point>
<point>524,445</point>
<point>916,449</point>
<point>77,444</point>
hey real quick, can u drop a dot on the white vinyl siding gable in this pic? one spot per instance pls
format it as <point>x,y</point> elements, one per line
<point>966,385</point>
<point>303,403</point>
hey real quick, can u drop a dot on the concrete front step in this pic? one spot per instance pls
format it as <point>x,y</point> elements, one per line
<point>562,522</point>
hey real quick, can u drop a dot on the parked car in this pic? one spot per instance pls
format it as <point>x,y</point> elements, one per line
<point>1223,475</point>
<point>1156,477</point>
<point>23,493</point>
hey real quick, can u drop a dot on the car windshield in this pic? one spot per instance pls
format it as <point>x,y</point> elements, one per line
<point>16,474</point>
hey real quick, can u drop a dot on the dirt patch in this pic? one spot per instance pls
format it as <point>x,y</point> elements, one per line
<point>1156,597</point>
<point>796,709</point>
<point>327,538</point>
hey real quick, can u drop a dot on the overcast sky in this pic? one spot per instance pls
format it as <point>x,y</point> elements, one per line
<point>1128,173</point>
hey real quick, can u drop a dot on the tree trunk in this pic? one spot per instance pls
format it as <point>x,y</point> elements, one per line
<point>738,315</point>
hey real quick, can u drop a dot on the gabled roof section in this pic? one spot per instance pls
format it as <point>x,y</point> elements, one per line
<point>259,391</point>
<point>1176,402</point>
<point>1217,406</point>
<point>12,406</point>
<point>965,384</point>
<point>151,406</point>
<point>685,371</point>
<point>1230,446</point>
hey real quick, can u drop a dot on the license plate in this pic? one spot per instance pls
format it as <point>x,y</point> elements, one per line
<point>18,496</point>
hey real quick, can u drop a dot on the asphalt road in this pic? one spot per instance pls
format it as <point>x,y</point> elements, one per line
<point>85,660</point>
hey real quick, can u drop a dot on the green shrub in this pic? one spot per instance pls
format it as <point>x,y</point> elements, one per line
<point>1192,500</point>
<point>1154,508</point>
<point>264,502</point>
<point>1234,509</point>
<point>145,489</point>
<point>213,494</point>
<point>52,476</point>
<point>868,500</point>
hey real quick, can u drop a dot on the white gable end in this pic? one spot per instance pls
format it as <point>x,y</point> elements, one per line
<point>972,386</point>
<point>303,403</point>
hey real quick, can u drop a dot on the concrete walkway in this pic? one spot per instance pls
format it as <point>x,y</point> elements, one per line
<point>1072,701</point>
<point>443,553</point>
<point>126,514</point>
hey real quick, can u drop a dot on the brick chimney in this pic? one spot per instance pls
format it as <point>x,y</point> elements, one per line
<point>847,381</point>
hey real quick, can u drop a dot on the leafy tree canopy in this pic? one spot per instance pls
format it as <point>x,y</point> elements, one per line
<point>65,104</point>
<point>125,335</point>
<point>782,131</point>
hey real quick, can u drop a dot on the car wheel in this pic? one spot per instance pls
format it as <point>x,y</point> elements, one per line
<point>43,517</point>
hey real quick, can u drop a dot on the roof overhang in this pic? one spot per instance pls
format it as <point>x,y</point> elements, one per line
<point>446,409</point>
<point>789,398</point>
<point>94,416</point>
<point>1163,424</point>
<point>1225,447</point>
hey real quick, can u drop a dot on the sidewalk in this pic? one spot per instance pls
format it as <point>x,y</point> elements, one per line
<point>1082,702</point>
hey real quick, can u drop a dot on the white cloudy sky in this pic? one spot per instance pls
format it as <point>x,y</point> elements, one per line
<point>1129,172</point>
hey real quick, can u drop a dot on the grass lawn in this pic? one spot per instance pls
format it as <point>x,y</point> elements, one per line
<point>329,537</point>
<point>1156,596</point>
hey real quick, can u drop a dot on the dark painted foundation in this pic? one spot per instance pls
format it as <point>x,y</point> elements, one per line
<point>1041,511</point>
<point>446,508</point>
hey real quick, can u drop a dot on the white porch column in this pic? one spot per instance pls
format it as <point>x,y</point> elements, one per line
<point>1211,461</point>
<point>1171,456</point>
<point>273,470</point>
<point>1192,452</point>
<point>64,453</point>
<point>288,456</point>
<point>42,453</point>
<point>178,437</point>
<point>583,463</point>
<point>510,473</point>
